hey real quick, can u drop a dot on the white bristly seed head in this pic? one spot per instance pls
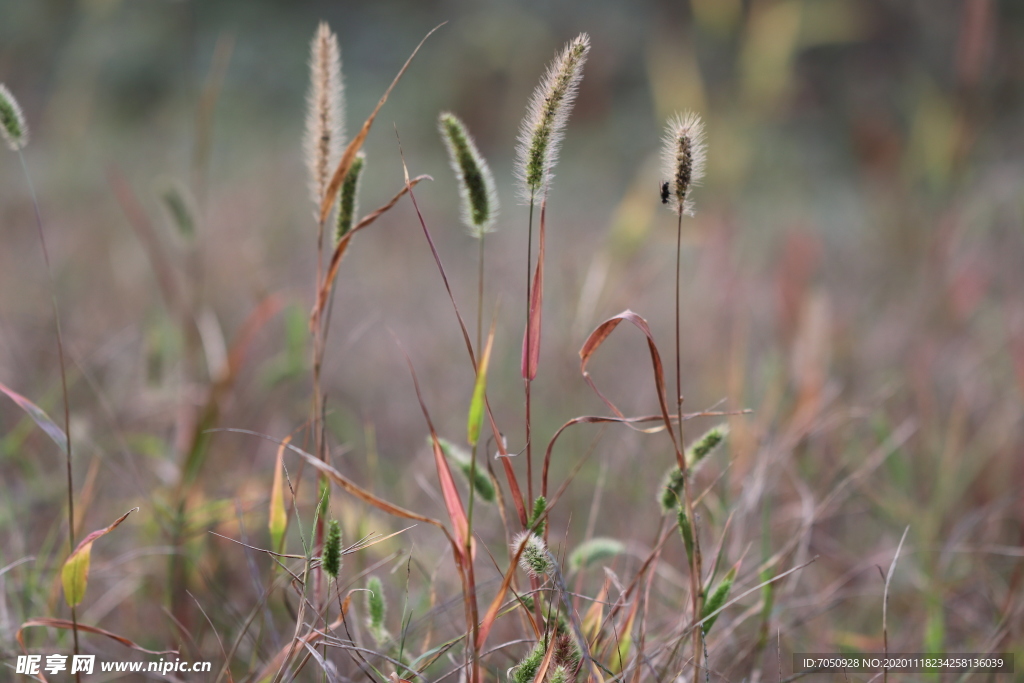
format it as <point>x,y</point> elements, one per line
<point>684,155</point>
<point>325,130</point>
<point>541,131</point>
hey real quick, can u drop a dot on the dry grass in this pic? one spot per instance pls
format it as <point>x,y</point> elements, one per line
<point>884,380</point>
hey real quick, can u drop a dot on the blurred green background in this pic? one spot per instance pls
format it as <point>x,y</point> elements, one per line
<point>854,275</point>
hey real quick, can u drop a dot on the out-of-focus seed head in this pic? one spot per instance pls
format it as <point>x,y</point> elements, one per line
<point>324,111</point>
<point>332,550</point>
<point>12,121</point>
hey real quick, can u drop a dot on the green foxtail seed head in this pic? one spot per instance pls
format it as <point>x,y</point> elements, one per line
<point>706,444</point>
<point>348,198</point>
<point>540,506</point>
<point>594,550</point>
<point>178,204</point>
<point>376,609</point>
<point>670,494</point>
<point>483,484</point>
<point>526,670</point>
<point>542,130</point>
<point>332,550</point>
<point>325,128</point>
<point>12,121</point>
<point>476,184</point>
<point>717,599</point>
<point>686,531</point>
<point>535,558</point>
<point>559,675</point>
<point>684,155</point>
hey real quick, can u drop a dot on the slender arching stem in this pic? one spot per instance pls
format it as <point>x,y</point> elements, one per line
<point>63,379</point>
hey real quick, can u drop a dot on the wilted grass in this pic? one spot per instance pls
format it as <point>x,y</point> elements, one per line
<point>884,393</point>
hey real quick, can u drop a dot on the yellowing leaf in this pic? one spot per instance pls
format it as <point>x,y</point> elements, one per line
<point>476,406</point>
<point>75,573</point>
<point>278,522</point>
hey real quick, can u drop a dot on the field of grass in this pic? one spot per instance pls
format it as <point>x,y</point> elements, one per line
<point>850,327</point>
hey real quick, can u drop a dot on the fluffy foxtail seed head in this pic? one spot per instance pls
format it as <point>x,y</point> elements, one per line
<point>543,128</point>
<point>12,121</point>
<point>684,154</point>
<point>535,558</point>
<point>526,670</point>
<point>324,111</point>
<point>476,184</point>
<point>348,198</point>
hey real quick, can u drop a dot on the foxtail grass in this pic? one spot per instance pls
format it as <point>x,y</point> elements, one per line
<point>540,135</point>
<point>14,129</point>
<point>683,154</point>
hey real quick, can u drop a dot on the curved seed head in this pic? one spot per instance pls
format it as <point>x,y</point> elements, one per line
<point>476,184</point>
<point>543,128</point>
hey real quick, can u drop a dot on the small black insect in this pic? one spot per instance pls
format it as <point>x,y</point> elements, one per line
<point>664,193</point>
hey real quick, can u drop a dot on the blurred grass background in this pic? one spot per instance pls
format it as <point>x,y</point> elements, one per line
<point>853,275</point>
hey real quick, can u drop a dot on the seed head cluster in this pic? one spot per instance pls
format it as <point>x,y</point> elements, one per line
<point>684,155</point>
<point>543,128</point>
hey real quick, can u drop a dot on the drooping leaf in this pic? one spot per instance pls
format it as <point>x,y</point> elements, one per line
<point>593,343</point>
<point>75,573</point>
<point>68,625</point>
<point>39,417</point>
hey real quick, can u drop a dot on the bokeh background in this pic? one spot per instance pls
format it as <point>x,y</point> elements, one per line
<point>854,275</point>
